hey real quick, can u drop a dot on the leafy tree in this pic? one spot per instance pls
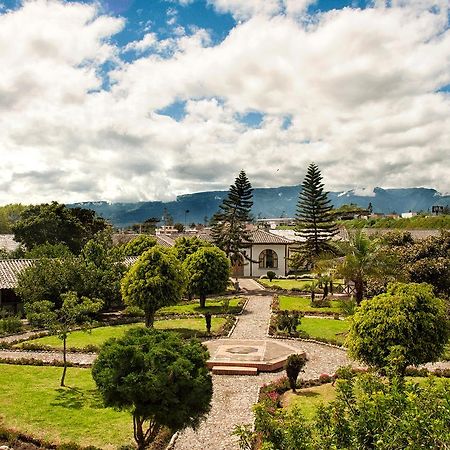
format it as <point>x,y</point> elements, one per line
<point>294,365</point>
<point>208,272</point>
<point>139,245</point>
<point>49,251</point>
<point>186,246</point>
<point>54,223</point>
<point>48,278</point>
<point>407,326</point>
<point>229,228</point>
<point>314,218</point>
<point>9,215</point>
<point>104,268</point>
<point>167,218</point>
<point>162,380</point>
<point>157,279</point>
<point>148,226</point>
<point>73,312</point>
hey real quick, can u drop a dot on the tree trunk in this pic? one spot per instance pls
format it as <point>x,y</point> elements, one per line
<point>202,300</point>
<point>64,362</point>
<point>138,431</point>
<point>149,319</point>
<point>359,291</point>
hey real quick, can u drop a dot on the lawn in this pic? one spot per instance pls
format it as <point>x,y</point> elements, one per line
<point>290,284</point>
<point>309,399</point>
<point>214,306</point>
<point>328,329</point>
<point>31,401</point>
<point>97,336</point>
<point>285,284</point>
<point>303,304</point>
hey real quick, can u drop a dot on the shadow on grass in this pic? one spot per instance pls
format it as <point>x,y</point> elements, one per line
<point>75,398</point>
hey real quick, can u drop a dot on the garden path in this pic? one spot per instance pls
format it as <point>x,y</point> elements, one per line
<point>234,396</point>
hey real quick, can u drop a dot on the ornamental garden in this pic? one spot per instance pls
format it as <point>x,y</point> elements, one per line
<point>108,352</point>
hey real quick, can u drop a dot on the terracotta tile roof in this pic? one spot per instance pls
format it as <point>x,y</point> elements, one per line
<point>164,241</point>
<point>123,238</point>
<point>264,237</point>
<point>9,269</point>
<point>130,260</point>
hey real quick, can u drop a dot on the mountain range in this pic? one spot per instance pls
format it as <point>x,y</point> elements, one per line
<point>267,203</point>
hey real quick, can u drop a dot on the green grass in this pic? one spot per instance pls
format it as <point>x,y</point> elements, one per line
<point>309,399</point>
<point>97,336</point>
<point>285,284</point>
<point>31,401</point>
<point>303,304</point>
<point>318,328</point>
<point>214,306</point>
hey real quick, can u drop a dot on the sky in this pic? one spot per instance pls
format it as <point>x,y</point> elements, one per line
<point>134,100</point>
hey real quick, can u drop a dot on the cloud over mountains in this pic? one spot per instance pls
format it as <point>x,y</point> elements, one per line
<point>362,92</point>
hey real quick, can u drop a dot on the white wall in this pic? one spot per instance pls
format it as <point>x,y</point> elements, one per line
<point>251,269</point>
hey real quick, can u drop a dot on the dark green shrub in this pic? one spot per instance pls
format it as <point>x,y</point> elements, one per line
<point>294,365</point>
<point>271,275</point>
<point>288,322</point>
<point>134,311</point>
<point>10,325</point>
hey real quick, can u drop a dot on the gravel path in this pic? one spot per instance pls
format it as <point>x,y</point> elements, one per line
<point>234,396</point>
<point>20,337</point>
<point>77,358</point>
<point>254,321</point>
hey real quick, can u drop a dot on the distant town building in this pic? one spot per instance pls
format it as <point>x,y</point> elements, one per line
<point>408,215</point>
<point>439,209</point>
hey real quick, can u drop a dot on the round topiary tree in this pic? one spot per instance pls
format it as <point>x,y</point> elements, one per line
<point>155,280</point>
<point>406,326</point>
<point>208,271</point>
<point>161,379</point>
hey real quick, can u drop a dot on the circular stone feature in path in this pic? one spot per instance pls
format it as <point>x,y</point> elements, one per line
<point>266,355</point>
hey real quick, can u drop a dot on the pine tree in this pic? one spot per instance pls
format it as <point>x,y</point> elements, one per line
<point>229,223</point>
<point>314,221</point>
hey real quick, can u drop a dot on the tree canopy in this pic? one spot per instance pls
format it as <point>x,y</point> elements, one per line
<point>54,223</point>
<point>159,378</point>
<point>406,326</point>
<point>186,246</point>
<point>155,280</point>
<point>208,272</point>
<point>314,218</point>
<point>138,245</point>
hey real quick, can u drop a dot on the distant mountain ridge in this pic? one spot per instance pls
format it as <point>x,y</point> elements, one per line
<point>268,202</point>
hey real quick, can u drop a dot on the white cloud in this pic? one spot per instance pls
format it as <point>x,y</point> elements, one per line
<point>148,41</point>
<point>362,96</point>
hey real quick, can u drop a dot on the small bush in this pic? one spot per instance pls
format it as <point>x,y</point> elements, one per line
<point>321,303</point>
<point>271,275</point>
<point>10,325</point>
<point>288,322</point>
<point>348,306</point>
<point>294,365</point>
<point>134,311</point>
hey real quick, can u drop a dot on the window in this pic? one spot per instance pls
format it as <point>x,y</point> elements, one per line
<point>268,259</point>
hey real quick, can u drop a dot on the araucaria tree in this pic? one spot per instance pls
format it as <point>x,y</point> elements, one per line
<point>230,223</point>
<point>314,221</point>
<point>208,271</point>
<point>155,280</point>
<point>162,380</point>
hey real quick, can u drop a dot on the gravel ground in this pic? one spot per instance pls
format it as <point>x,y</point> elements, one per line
<point>254,321</point>
<point>77,358</point>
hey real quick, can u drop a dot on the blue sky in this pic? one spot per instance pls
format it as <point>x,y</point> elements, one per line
<point>148,99</point>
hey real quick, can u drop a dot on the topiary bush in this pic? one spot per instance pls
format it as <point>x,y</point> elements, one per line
<point>271,275</point>
<point>294,365</point>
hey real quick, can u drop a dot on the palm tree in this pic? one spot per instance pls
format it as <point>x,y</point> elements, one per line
<point>363,260</point>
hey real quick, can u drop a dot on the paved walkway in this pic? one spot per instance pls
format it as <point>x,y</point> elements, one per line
<point>233,396</point>
<point>249,284</point>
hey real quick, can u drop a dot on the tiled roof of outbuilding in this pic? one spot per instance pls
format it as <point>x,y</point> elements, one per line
<point>9,269</point>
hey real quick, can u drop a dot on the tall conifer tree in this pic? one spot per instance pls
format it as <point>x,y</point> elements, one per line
<point>229,223</point>
<point>314,221</point>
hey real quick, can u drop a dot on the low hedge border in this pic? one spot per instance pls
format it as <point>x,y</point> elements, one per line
<point>39,362</point>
